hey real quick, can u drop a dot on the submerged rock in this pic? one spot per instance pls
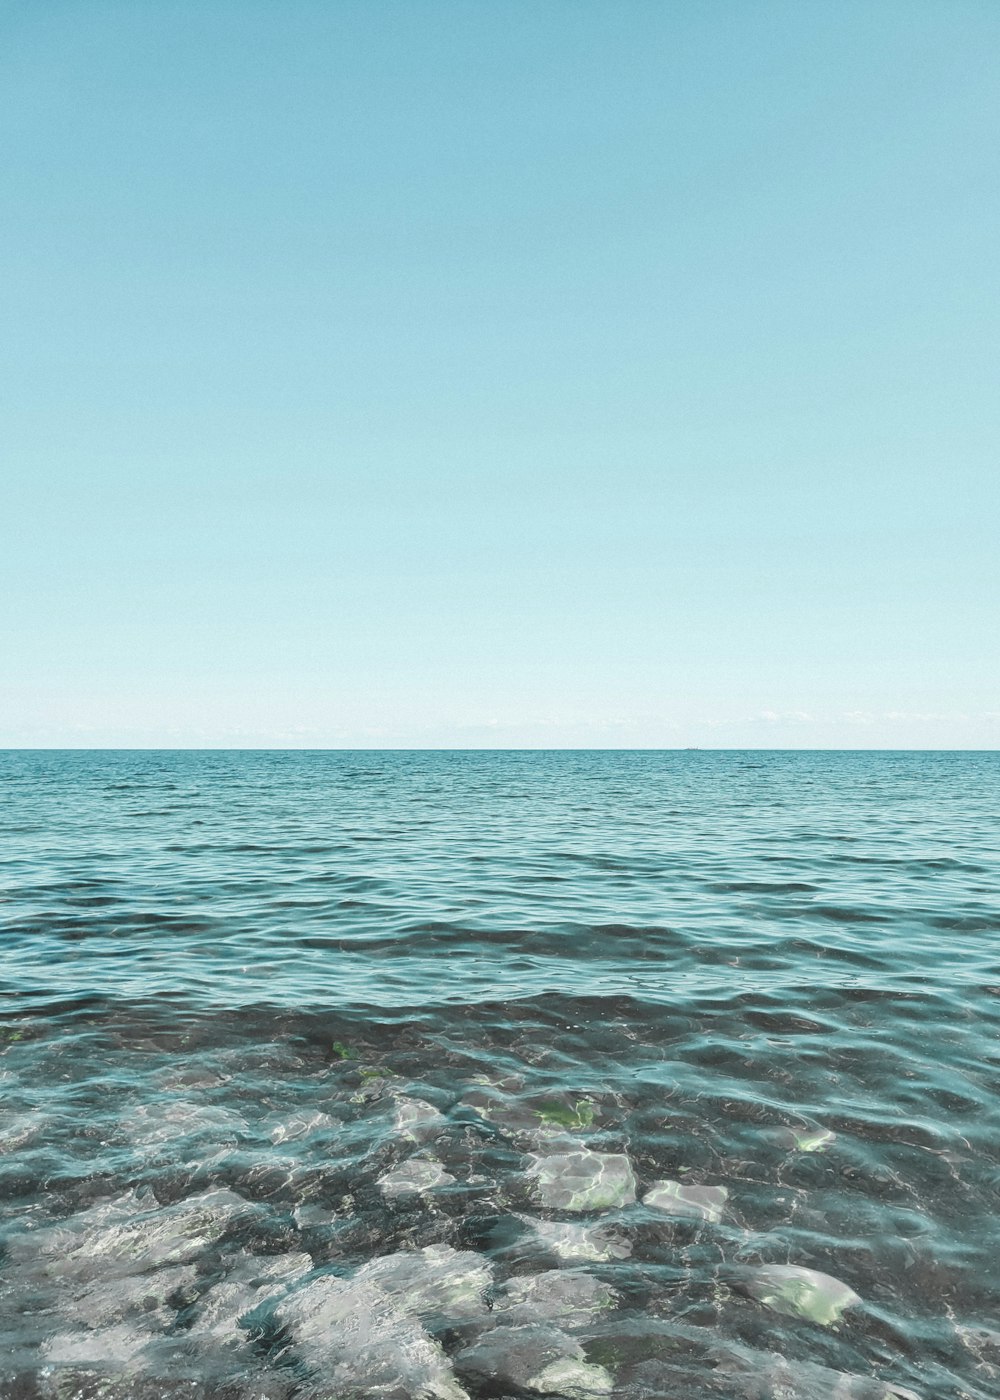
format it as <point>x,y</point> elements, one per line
<point>983,1342</point>
<point>250,1282</point>
<point>572,1378</point>
<point>416,1120</point>
<point>363,1345</point>
<point>104,1346</point>
<point>437,1284</point>
<point>582,1180</point>
<point>146,1298</point>
<point>264,1173</point>
<point>159,1123</point>
<point>413,1177</point>
<point>576,1242</point>
<point>21,1131</point>
<point>534,1358</point>
<point>366,1336</point>
<point>129,1235</point>
<point>114,1311</point>
<point>507,1114</point>
<point>568,1297</point>
<point>799,1292</point>
<point>802,1139</point>
<point>569,1115</point>
<point>767,1376</point>
<point>144,1377</point>
<point>539,1125</point>
<point>298,1126</point>
<point>687,1201</point>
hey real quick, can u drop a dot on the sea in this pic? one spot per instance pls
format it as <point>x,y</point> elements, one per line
<point>446,1075</point>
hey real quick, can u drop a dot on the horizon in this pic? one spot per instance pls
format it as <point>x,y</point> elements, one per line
<point>686,748</point>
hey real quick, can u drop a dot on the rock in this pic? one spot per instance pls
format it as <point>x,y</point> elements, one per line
<point>687,1201</point>
<point>516,1121</point>
<point>655,1356</point>
<point>20,1131</point>
<point>143,1378</point>
<point>145,1298</point>
<point>570,1116</point>
<point>578,1242</point>
<point>564,1296</point>
<point>155,1124</point>
<point>981,1340</point>
<point>767,1376</point>
<point>799,1292</point>
<point>534,1358</point>
<point>813,1139</point>
<point>572,1378</point>
<point>250,1282</point>
<point>413,1177</point>
<point>437,1284</point>
<point>416,1120</point>
<point>129,1235</point>
<point>104,1346</point>
<point>582,1180</point>
<point>297,1126</point>
<point>265,1173</point>
<point>363,1344</point>
<point>372,1087</point>
<point>802,1139</point>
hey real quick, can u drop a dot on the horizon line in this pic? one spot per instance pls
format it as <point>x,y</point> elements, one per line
<point>455,748</point>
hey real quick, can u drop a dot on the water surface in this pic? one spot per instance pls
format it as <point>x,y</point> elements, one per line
<point>362,1074</point>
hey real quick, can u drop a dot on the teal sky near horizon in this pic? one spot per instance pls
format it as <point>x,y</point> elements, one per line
<point>451,374</point>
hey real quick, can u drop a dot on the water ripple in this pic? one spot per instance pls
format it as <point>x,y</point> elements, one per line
<point>375,1008</point>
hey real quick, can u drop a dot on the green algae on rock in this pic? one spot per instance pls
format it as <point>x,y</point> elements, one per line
<point>798,1292</point>
<point>575,1119</point>
<point>582,1180</point>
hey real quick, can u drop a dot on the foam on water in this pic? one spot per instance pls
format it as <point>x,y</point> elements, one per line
<point>499,1074</point>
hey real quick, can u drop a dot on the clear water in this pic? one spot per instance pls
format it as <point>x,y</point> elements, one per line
<point>287,1037</point>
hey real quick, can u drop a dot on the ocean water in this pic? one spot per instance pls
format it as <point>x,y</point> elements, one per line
<point>440,1075</point>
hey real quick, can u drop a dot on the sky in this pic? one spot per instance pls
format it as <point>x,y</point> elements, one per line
<point>514,374</point>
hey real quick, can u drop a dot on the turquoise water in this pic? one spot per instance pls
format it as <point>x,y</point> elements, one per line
<point>465,1074</point>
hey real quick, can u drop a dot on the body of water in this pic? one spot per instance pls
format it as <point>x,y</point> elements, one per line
<point>424,1076</point>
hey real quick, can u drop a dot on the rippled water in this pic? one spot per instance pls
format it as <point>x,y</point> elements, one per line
<point>339,1075</point>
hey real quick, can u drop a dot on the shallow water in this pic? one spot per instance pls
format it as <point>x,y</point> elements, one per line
<point>401,1074</point>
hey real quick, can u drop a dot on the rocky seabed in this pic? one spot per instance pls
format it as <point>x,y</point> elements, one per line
<point>264,1288</point>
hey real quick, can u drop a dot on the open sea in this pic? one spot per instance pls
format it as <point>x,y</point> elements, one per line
<point>424,1076</point>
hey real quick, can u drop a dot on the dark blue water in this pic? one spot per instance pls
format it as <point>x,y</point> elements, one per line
<point>337,1075</point>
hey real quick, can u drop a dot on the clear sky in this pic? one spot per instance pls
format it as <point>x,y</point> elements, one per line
<point>493,373</point>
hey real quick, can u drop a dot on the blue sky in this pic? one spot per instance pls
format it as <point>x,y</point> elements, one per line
<point>467,374</point>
